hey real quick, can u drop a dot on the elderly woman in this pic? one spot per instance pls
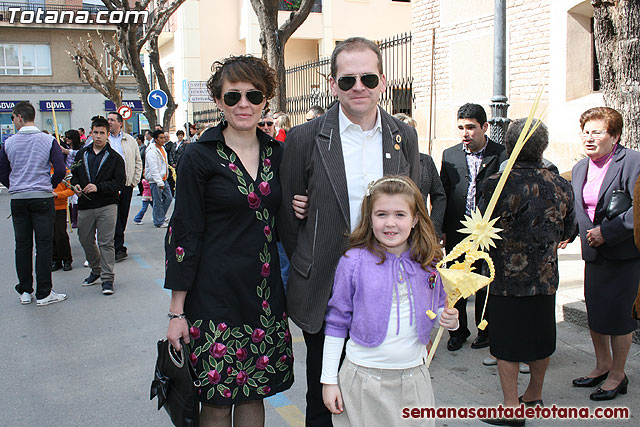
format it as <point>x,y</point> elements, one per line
<point>227,297</point>
<point>536,214</point>
<point>603,184</point>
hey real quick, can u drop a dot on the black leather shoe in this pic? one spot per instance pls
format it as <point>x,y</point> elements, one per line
<point>601,394</point>
<point>531,404</point>
<point>455,343</point>
<point>590,381</point>
<point>504,421</point>
<point>480,342</point>
<point>56,265</point>
<point>66,266</point>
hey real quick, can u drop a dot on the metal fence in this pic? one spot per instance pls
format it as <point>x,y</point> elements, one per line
<point>308,83</point>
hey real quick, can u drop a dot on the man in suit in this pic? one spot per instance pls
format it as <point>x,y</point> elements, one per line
<point>127,147</point>
<point>464,166</point>
<point>333,158</point>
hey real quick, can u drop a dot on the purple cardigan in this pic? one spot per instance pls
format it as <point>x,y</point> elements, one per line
<point>362,294</point>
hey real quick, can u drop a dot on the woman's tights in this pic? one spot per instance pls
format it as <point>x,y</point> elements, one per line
<point>246,414</point>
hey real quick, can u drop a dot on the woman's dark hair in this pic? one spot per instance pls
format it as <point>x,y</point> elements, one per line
<point>74,136</point>
<point>534,147</point>
<point>244,68</point>
<point>611,117</point>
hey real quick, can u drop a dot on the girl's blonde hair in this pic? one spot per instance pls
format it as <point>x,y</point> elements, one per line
<point>424,244</point>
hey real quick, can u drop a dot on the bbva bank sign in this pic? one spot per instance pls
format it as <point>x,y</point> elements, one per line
<point>58,105</point>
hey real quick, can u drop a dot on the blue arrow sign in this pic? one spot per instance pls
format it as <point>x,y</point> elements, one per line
<point>157,98</point>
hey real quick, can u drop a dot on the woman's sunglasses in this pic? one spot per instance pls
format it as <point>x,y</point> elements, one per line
<point>262,124</point>
<point>231,98</point>
<point>347,82</point>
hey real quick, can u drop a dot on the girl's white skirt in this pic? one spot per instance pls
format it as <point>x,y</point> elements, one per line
<point>377,397</point>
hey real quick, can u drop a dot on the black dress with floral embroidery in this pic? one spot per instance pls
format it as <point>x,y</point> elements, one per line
<point>221,249</point>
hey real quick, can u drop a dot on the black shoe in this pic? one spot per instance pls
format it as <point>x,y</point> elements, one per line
<point>531,404</point>
<point>56,265</point>
<point>91,280</point>
<point>504,421</point>
<point>107,288</point>
<point>120,255</point>
<point>66,266</point>
<point>590,381</point>
<point>481,342</point>
<point>601,394</point>
<point>455,343</point>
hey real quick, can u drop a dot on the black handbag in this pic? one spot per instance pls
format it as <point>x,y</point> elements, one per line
<point>176,385</point>
<point>620,202</point>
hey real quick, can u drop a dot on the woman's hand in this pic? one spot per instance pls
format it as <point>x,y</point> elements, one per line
<point>563,244</point>
<point>178,328</point>
<point>332,398</point>
<point>594,237</point>
<point>300,206</point>
<point>449,319</point>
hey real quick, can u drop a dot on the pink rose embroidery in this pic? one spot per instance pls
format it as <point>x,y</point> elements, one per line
<point>257,335</point>
<point>287,336</point>
<point>284,316</point>
<point>267,231</point>
<point>262,362</point>
<point>266,163</point>
<point>179,253</point>
<point>213,376</point>
<point>222,327</point>
<point>241,378</point>
<point>229,371</point>
<point>283,358</point>
<point>241,354</point>
<point>194,332</point>
<point>265,389</point>
<point>226,393</point>
<point>233,167</point>
<point>266,270</point>
<point>254,200</point>
<point>193,358</point>
<point>218,350</point>
<point>265,188</point>
<point>265,304</point>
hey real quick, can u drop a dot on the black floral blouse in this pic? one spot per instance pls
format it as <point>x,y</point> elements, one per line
<point>221,248</point>
<point>536,210</point>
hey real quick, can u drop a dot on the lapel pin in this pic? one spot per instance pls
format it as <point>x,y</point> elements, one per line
<point>387,155</point>
<point>397,146</point>
<point>398,139</point>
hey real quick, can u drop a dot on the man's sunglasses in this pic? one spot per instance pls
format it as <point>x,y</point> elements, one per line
<point>369,80</point>
<point>261,124</point>
<point>231,98</point>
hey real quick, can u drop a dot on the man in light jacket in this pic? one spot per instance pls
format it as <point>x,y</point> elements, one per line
<point>156,171</point>
<point>127,147</point>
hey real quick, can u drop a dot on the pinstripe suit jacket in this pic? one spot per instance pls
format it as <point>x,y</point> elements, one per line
<point>313,162</point>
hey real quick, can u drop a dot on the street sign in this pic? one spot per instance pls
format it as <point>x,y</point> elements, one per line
<point>198,92</point>
<point>125,112</point>
<point>185,90</point>
<point>157,99</point>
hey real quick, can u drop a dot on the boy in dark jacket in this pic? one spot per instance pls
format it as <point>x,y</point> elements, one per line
<point>98,178</point>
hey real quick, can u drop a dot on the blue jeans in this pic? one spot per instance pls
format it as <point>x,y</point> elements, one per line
<point>284,265</point>
<point>161,201</point>
<point>33,217</point>
<point>143,210</point>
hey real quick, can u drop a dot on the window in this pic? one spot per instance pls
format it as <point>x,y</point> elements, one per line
<point>124,71</point>
<point>25,59</point>
<point>595,65</point>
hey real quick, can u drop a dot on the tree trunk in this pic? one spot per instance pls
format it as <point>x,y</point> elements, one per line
<point>274,39</point>
<point>154,58</point>
<point>617,39</point>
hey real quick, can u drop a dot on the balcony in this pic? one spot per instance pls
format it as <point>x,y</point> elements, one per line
<point>289,5</point>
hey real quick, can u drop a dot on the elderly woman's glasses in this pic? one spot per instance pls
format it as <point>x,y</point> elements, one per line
<point>595,134</point>
<point>231,98</point>
<point>347,82</point>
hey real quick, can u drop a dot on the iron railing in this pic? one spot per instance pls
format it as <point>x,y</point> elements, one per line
<point>4,7</point>
<point>287,5</point>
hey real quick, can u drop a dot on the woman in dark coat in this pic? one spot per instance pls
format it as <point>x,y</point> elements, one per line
<point>227,297</point>
<point>612,261</point>
<point>536,214</point>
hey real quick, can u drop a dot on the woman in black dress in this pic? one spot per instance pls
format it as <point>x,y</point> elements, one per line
<point>222,263</point>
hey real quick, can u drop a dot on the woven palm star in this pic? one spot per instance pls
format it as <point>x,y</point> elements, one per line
<point>482,231</point>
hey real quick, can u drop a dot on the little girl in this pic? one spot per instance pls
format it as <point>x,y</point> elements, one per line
<point>146,201</point>
<point>384,286</point>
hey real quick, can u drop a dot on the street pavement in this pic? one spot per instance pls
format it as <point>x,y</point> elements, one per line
<point>89,361</point>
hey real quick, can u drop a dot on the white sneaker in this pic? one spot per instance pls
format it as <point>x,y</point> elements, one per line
<point>524,368</point>
<point>138,222</point>
<point>25,298</point>
<point>86,264</point>
<point>489,361</point>
<point>51,299</point>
